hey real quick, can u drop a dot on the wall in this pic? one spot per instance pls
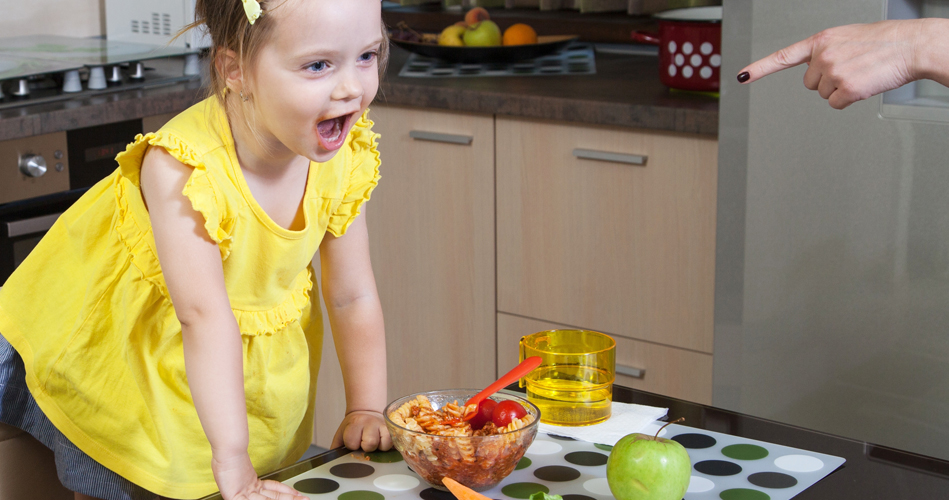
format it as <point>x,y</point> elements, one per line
<point>77,18</point>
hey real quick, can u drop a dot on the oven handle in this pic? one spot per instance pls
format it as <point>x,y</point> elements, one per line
<point>30,226</point>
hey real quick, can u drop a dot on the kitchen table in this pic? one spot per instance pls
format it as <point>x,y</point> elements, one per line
<point>870,471</point>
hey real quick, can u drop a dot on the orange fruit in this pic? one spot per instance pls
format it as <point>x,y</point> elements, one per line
<point>519,34</point>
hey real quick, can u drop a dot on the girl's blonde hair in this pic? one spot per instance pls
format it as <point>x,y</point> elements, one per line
<point>229,28</point>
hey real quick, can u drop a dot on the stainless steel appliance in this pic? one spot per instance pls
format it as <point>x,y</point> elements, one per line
<point>832,272</point>
<point>38,69</point>
<point>41,176</point>
<point>155,22</point>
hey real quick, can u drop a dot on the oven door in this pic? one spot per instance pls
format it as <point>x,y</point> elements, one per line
<point>17,239</point>
<point>23,225</point>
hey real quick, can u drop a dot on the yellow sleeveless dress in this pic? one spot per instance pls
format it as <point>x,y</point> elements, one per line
<point>89,312</point>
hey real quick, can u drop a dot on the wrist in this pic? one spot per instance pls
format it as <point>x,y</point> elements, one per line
<point>363,411</point>
<point>229,454</point>
<point>931,50</point>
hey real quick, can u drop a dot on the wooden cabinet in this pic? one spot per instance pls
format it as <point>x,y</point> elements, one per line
<point>431,230</point>
<point>612,230</point>
<point>669,371</point>
<point>621,248</point>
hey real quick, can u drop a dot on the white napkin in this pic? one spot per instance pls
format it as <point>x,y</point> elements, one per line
<point>624,419</point>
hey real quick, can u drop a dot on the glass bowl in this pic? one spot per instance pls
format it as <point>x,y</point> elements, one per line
<point>478,462</point>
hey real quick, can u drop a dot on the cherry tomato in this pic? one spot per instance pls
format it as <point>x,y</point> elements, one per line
<point>506,411</point>
<point>485,409</point>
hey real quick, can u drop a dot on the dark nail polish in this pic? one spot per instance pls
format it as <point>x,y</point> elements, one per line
<point>743,77</point>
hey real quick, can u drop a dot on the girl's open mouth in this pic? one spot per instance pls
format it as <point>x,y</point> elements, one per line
<point>332,132</point>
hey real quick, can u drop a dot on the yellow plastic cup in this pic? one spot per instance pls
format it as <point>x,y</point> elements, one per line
<point>573,386</point>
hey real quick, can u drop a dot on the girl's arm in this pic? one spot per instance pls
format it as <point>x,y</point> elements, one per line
<point>352,303</point>
<point>191,265</point>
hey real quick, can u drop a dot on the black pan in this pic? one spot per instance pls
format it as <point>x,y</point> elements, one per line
<point>503,54</point>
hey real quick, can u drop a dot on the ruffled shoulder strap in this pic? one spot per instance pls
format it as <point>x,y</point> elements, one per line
<point>363,175</point>
<point>200,189</point>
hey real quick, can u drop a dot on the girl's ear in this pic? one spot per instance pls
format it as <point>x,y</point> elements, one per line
<point>229,67</point>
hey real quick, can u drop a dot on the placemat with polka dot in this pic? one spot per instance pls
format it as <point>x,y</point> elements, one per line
<point>723,467</point>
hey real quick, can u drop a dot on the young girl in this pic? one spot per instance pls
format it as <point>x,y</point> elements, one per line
<point>182,353</point>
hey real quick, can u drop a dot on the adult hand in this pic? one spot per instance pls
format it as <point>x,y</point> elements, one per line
<point>237,480</point>
<point>850,63</point>
<point>363,429</point>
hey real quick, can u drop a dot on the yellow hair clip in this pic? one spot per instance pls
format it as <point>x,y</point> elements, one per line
<point>252,9</point>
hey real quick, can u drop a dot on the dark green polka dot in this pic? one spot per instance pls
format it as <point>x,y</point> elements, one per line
<point>744,452</point>
<point>523,490</point>
<point>588,458</point>
<point>316,486</point>
<point>717,468</point>
<point>556,473</point>
<point>774,480</point>
<point>361,495</point>
<point>743,494</point>
<point>523,463</point>
<point>352,471</point>
<point>433,494</point>
<point>385,457</point>
<point>695,441</point>
<point>604,447</point>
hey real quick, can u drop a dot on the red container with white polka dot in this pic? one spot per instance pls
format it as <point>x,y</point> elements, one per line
<point>690,42</point>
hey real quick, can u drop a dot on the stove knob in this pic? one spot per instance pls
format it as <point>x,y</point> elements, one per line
<point>136,71</point>
<point>22,88</point>
<point>96,78</point>
<point>71,81</point>
<point>32,165</point>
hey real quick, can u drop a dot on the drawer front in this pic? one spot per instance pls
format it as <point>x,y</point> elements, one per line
<point>669,371</point>
<point>609,228</point>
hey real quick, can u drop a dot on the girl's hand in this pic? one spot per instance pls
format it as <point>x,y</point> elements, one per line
<point>363,429</point>
<point>850,63</point>
<point>238,480</point>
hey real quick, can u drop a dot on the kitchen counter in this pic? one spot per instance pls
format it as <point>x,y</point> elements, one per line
<point>106,108</point>
<point>625,92</point>
<point>870,471</point>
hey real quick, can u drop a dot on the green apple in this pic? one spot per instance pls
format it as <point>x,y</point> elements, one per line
<point>483,34</point>
<point>643,467</point>
<point>451,36</point>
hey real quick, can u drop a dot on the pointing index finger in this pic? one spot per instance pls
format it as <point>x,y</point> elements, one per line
<point>787,57</point>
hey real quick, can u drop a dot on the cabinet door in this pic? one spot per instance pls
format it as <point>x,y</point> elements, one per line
<point>431,230</point>
<point>608,245</point>
<point>669,371</point>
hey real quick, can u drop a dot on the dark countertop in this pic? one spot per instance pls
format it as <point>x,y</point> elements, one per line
<point>98,110</point>
<point>625,92</point>
<point>870,471</point>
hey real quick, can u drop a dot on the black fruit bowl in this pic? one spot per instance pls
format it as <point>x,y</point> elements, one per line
<point>504,54</point>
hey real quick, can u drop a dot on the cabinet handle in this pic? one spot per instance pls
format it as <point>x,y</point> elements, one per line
<point>631,371</point>
<point>439,137</point>
<point>589,154</point>
<point>30,226</point>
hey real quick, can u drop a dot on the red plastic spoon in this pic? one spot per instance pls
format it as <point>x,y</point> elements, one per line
<point>507,379</point>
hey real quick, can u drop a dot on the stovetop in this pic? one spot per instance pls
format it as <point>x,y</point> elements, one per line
<point>39,68</point>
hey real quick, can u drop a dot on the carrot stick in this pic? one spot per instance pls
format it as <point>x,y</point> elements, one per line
<point>461,491</point>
